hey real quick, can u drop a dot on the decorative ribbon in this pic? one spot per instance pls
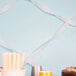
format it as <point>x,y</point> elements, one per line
<point>4,45</point>
<point>7,6</point>
<point>67,22</point>
<point>46,10</point>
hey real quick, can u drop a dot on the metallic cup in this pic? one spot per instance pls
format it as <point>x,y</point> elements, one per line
<point>35,70</point>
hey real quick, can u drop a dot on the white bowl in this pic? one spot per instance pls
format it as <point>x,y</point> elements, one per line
<point>13,73</point>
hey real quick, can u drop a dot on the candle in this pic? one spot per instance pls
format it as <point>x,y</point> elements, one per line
<point>18,59</point>
<point>5,61</point>
<point>10,61</point>
<point>14,61</point>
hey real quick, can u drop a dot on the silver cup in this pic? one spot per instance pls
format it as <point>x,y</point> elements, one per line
<point>35,70</point>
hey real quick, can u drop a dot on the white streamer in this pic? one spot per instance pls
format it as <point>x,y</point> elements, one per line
<point>45,9</point>
<point>7,6</point>
<point>60,30</point>
<point>42,46</point>
<point>4,45</point>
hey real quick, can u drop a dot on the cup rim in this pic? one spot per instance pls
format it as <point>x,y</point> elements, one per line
<point>22,70</point>
<point>45,71</point>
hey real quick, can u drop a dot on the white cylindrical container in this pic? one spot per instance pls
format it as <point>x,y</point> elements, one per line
<point>35,70</point>
<point>13,73</point>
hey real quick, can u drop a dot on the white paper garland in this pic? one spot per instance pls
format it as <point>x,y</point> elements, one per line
<point>67,22</point>
<point>45,9</point>
<point>7,6</point>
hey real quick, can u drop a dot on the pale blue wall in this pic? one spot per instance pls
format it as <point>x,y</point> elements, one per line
<point>24,27</point>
